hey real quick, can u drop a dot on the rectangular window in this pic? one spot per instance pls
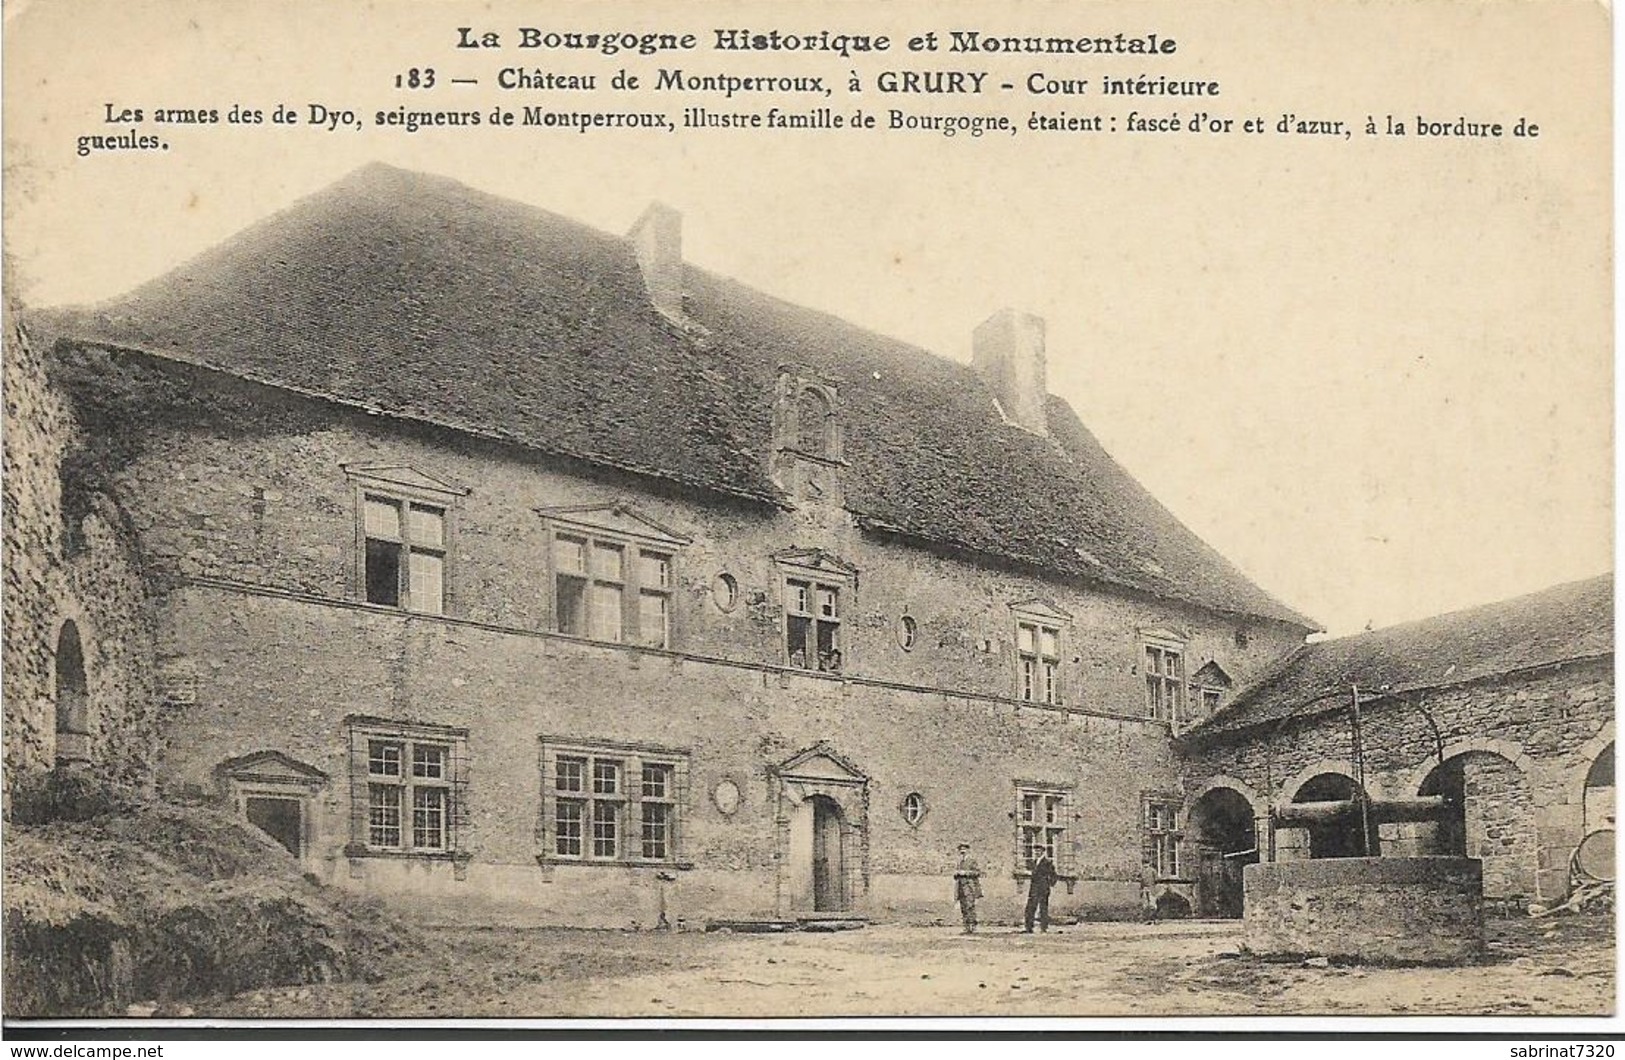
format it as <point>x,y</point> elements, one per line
<point>567,817</point>
<point>404,553</point>
<point>383,815</point>
<point>656,808</point>
<point>812,625</point>
<point>1041,825</point>
<point>601,595</point>
<point>1162,837</point>
<point>614,806</point>
<point>1164,680</point>
<point>606,818</point>
<point>408,785</point>
<point>1038,647</point>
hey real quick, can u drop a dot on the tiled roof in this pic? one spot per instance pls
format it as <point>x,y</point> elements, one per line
<point>1565,623</point>
<point>423,298</point>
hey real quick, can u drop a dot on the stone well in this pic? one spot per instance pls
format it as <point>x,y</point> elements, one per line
<point>1423,910</point>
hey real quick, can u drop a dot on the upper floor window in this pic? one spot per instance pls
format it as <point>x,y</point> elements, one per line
<point>1038,652</point>
<point>1164,676</point>
<point>815,423</point>
<point>404,521</point>
<point>612,575</point>
<point>405,554</point>
<point>407,785</point>
<point>1208,687</point>
<point>817,588</point>
<point>805,414</point>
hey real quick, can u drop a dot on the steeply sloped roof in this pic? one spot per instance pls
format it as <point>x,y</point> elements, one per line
<point>1567,622</point>
<point>420,297</point>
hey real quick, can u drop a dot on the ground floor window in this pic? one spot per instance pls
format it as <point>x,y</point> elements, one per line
<point>1043,813</point>
<point>1162,837</point>
<point>610,802</point>
<point>408,787</point>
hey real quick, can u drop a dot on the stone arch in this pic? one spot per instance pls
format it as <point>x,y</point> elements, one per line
<point>1221,818</point>
<point>1260,805</point>
<point>1489,813</point>
<point>1289,790</point>
<point>1343,837</point>
<point>1587,754</point>
<point>1412,781</point>
<point>815,422</point>
<point>70,688</point>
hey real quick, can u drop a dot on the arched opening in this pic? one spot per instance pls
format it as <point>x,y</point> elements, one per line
<point>818,855</point>
<point>1338,835</point>
<point>815,424</point>
<point>1223,835</point>
<point>1448,834</point>
<point>1597,811</point>
<point>1488,814</point>
<point>72,697</point>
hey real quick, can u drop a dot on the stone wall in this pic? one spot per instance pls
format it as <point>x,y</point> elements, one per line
<point>282,673</point>
<point>1524,742</point>
<point>259,496</point>
<point>64,566</point>
<point>1375,910</point>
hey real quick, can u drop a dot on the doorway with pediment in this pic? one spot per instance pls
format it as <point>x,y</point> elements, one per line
<point>822,826</point>
<point>276,794</point>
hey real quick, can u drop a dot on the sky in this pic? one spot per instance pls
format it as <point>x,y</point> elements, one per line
<point>1374,373</point>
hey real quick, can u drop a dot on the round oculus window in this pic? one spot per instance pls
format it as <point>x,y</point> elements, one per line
<point>725,592</point>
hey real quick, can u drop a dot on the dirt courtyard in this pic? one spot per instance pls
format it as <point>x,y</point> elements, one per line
<point>1548,967</point>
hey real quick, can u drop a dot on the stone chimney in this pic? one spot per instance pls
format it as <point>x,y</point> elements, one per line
<point>657,238</point>
<point>1008,350</point>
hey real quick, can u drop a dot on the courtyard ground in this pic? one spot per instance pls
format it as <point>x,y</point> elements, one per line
<point>1559,966</point>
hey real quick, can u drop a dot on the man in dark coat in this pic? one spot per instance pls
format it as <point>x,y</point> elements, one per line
<point>1038,888</point>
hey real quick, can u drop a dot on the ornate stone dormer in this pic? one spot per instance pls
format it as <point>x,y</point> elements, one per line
<point>807,461</point>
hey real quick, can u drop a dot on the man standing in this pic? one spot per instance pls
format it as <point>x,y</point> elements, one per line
<point>967,887</point>
<point>1038,888</point>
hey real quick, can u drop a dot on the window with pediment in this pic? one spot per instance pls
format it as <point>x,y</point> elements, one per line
<point>1040,632</point>
<point>405,522</point>
<point>1163,655</point>
<point>612,574</point>
<point>818,593</point>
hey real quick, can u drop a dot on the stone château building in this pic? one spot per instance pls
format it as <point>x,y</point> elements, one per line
<point>519,571</point>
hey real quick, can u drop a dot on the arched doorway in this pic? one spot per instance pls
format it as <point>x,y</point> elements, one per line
<point>1489,815</point>
<point>1223,833</point>
<point>822,834</point>
<point>1597,809</point>
<point>1338,836</point>
<point>818,856</point>
<point>72,698</point>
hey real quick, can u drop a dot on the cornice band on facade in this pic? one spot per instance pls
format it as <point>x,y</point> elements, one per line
<point>250,589</point>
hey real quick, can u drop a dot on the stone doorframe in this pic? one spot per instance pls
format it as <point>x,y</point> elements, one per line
<point>820,770</point>
<point>272,774</point>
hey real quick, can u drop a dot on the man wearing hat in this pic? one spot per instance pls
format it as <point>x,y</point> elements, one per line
<point>967,887</point>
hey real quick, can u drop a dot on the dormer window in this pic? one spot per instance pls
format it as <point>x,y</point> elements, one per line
<point>1208,688</point>
<point>806,415</point>
<point>404,527</point>
<point>815,422</point>
<point>817,592</point>
<point>612,575</point>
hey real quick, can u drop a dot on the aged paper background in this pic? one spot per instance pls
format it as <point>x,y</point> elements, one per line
<point>1367,370</point>
<point>1374,371</point>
